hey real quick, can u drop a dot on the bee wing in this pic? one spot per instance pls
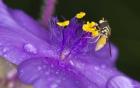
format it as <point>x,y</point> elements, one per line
<point>101,43</point>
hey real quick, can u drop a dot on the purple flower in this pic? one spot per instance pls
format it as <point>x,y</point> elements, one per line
<point>57,57</point>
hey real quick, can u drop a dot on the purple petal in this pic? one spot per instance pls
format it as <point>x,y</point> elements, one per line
<point>19,37</point>
<point>47,72</point>
<point>94,72</point>
<point>102,57</point>
<point>29,24</point>
<point>104,76</point>
<point>13,18</point>
<point>61,81</point>
<point>17,47</point>
<point>57,81</point>
<point>121,81</point>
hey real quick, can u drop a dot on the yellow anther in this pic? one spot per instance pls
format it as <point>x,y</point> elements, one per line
<point>89,27</point>
<point>64,23</point>
<point>95,33</point>
<point>80,15</point>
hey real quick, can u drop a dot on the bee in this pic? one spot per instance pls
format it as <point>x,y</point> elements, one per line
<point>104,34</point>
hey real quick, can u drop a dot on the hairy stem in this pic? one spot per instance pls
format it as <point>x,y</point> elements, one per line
<point>48,11</point>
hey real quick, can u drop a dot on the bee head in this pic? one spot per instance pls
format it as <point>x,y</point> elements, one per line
<point>103,23</point>
<point>104,27</point>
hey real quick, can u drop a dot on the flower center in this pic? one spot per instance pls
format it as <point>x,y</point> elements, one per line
<point>74,41</point>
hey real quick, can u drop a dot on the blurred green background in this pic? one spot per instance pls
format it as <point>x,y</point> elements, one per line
<point>123,16</point>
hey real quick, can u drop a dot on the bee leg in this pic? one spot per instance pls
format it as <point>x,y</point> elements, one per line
<point>96,40</point>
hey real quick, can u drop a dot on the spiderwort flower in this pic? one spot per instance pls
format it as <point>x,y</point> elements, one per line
<point>60,56</point>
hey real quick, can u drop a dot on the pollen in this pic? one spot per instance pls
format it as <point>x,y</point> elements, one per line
<point>89,26</point>
<point>80,15</point>
<point>64,23</point>
<point>95,33</point>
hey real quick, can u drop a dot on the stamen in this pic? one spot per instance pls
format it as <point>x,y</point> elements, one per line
<point>91,27</point>
<point>64,23</point>
<point>80,15</point>
<point>95,33</point>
